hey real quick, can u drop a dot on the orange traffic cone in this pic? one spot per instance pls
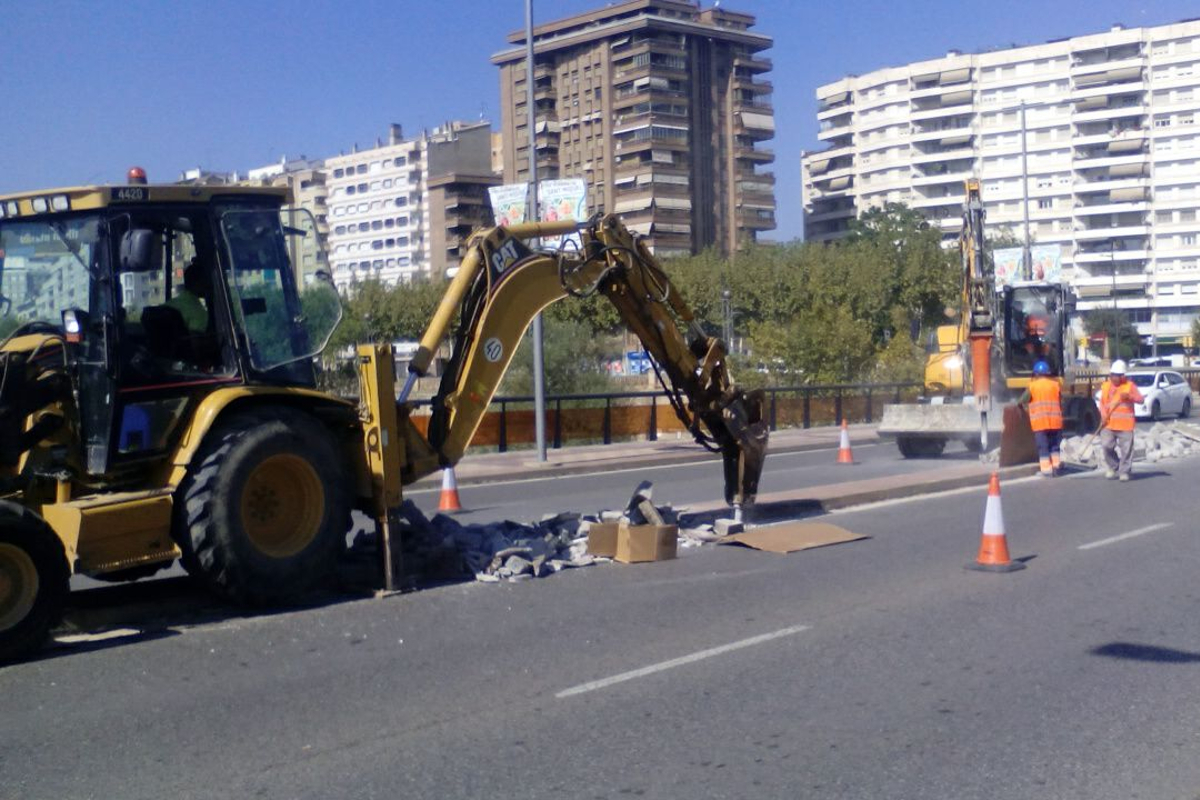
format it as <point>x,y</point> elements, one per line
<point>449,500</point>
<point>993,549</point>
<point>844,454</point>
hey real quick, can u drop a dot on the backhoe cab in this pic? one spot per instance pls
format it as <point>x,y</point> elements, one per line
<point>158,394</point>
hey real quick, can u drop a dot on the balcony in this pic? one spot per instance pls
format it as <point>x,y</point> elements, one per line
<point>1094,285</point>
<point>955,200</point>
<point>1101,66</point>
<point>1111,208</point>
<point>1127,139</point>
<point>825,216</point>
<point>834,131</point>
<point>1108,89</point>
<point>757,155</point>
<point>755,125</point>
<point>1114,164</point>
<point>1106,183</point>
<point>1120,232</point>
<point>751,64</point>
<point>942,111</point>
<point>833,175</point>
<point>1107,113</point>
<point>1107,256</point>
<point>834,113</point>
<point>945,137</point>
<point>949,154</point>
<point>945,177</point>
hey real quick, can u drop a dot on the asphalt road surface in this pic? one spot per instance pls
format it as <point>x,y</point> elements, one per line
<point>875,669</point>
<point>678,484</point>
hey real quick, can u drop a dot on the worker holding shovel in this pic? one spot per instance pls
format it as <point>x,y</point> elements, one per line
<point>1117,399</point>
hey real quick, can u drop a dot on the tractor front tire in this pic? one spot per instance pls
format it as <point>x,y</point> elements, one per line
<point>34,581</point>
<point>265,509</point>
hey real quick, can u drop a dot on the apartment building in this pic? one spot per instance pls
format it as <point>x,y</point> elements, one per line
<point>660,106</point>
<point>404,207</point>
<point>1089,142</point>
<point>306,179</point>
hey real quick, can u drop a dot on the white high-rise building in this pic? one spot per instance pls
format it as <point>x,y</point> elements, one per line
<point>381,224</point>
<point>1090,142</point>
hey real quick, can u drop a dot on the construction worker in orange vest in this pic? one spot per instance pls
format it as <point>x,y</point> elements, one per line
<point>1118,396</point>
<point>1045,417</point>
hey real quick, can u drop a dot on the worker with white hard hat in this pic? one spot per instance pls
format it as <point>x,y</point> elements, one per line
<point>1118,396</point>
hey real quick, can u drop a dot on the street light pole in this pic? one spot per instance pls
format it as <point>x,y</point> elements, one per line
<point>1026,254</point>
<point>727,316</point>
<point>539,369</point>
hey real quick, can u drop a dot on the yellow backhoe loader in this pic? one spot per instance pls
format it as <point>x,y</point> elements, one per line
<point>159,401</point>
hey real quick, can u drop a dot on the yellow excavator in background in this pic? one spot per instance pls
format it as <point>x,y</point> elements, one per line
<point>985,359</point>
<point>158,394</point>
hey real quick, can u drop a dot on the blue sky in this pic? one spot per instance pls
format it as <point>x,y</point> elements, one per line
<point>91,87</point>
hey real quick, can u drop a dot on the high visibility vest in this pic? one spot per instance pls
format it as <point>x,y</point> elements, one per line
<point>1118,402</point>
<point>1045,405</point>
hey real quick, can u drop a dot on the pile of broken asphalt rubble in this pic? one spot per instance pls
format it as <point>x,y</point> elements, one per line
<point>1163,441</point>
<point>444,549</point>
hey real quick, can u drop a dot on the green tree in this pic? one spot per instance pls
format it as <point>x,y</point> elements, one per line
<point>911,270</point>
<point>1003,238</point>
<point>1124,341</point>
<point>375,311</point>
<point>573,358</point>
<point>900,360</point>
<point>823,344</point>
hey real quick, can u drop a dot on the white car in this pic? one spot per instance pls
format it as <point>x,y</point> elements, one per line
<point>1165,392</point>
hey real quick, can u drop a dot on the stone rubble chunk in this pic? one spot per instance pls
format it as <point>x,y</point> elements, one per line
<point>727,527</point>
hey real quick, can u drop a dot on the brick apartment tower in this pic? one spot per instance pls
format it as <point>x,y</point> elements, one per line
<point>659,105</point>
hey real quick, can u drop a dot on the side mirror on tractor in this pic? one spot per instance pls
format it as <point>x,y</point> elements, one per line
<point>138,250</point>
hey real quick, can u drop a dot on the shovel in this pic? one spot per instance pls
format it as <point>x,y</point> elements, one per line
<point>1087,446</point>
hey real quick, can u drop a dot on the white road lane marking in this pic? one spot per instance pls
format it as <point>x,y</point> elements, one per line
<point>1140,531</point>
<point>679,662</point>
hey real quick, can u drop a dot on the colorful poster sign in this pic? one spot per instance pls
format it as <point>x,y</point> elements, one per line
<point>557,199</point>
<point>1007,266</point>
<point>562,199</point>
<point>1046,261</point>
<point>510,203</point>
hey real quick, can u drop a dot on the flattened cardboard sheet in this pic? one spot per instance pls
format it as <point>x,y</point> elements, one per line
<point>792,536</point>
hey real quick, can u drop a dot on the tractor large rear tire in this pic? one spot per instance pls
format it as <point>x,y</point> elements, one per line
<point>265,509</point>
<point>34,581</point>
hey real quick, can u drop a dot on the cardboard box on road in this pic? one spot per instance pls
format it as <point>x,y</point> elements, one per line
<point>646,542</point>
<point>602,539</point>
